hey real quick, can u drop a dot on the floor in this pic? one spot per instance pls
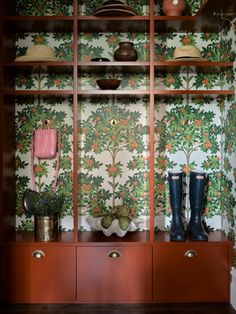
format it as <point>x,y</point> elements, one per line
<point>215,308</point>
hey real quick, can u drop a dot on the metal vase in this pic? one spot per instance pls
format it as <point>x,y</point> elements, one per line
<point>46,228</point>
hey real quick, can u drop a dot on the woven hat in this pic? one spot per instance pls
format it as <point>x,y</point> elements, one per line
<point>114,8</point>
<point>38,53</point>
<point>114,2</point>
<point>187,53</point>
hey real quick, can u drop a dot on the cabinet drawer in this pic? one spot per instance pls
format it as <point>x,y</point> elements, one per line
<point>39,274</point>
<point>191,273</point>
<point>114,274</point>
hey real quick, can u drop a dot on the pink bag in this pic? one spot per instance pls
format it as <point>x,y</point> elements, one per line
<point>45,145</point>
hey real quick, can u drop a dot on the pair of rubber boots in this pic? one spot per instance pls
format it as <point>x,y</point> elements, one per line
<point>196,196</point>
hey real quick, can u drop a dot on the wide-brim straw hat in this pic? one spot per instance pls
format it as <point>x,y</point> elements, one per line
<point>39,53</point>
<point>187,53</point>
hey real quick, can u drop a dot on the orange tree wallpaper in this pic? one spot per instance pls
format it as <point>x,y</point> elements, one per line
<point>190,132</point>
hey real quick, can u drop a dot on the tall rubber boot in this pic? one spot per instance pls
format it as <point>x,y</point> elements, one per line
<point>196,195</point>
<point>177,232</point>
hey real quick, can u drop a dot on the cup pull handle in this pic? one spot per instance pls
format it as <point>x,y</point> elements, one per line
<point>38,254</point>
<point>190,253</point>
<point>114,254</point>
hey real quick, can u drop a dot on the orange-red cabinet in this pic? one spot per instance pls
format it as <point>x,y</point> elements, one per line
<point>114,274</point>
<point>191,272</point>
<point>33,273</point>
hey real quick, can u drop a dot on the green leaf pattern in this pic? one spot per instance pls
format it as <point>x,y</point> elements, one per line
<point>190,132</point>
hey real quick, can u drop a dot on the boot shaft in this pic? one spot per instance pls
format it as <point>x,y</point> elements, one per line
<point>196,189</point>
<point>177,232</point>
<point>196,197</point>
<point>175,186</point>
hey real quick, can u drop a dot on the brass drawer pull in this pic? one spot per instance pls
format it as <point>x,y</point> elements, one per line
<point>114,254</point>
<point>190,253</point>
<point>38,254</point>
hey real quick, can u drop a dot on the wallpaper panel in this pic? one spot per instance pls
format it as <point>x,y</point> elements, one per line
<point>114,151</point>
<point>30,113</point>
<point>229,152</point>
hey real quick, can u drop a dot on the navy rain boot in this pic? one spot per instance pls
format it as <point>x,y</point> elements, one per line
<point>177,232</point>
<point>196,195</point>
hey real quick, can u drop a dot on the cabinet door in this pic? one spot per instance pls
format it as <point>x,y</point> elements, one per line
<point>114,274</point>
<point>191,273</point>
<point>36,274</point>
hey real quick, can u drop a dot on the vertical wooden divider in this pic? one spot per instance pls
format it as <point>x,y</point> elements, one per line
<point>1,125</point>
<point>75,121</point>
<point>151,99</point>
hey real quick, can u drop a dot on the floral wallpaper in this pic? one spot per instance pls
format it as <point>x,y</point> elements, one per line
<point>114,156</point>
<point>44,7</point>
<point>30,113</point>
<point>229,153</point>
<point>191,132</point>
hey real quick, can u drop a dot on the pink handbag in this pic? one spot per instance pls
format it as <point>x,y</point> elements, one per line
<point>45,145</point>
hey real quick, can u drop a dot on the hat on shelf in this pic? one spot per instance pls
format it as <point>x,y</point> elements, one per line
<point>114,8</point>
<point>114,2</point>
<point>187,53</point>
<point>39,53</point>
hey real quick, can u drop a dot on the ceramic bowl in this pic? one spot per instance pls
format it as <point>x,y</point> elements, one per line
<point>101,59</point>
<point>108,83</point>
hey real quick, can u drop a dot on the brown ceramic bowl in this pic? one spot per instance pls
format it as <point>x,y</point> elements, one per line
<point>108,83</point>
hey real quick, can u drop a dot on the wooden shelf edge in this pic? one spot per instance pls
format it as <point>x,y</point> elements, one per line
<point>91,237</point>
<point>113,18</point>
<point>113,92</point>
<point>215,236</point>
<point>84,237</point>
<point>115,63</point>
<point>173,63</point>
<point>27,237</point>
<point>36,92</point>
<point>38,63</point>
<point>175,18</point>
<point>193,92</point>
<point>39,18</point>
<point>136,92</point>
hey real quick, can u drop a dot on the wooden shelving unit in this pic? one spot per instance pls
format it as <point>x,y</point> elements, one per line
<point>79,267</point>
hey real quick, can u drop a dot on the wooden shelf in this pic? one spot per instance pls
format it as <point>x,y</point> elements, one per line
<point>170,24</point>
<point>137,92</point>
<point>37,92</point>
<point>83,237</point>
<point>137,24</point>
<point>196,63</point>
<point>22,24</point>
<point>114,67</point>
<point>28,237</point>
<point>216,236</point>
<point>200,66</point>
<point>46,66</point>
<point>98,236</point>
<point>172,92</point>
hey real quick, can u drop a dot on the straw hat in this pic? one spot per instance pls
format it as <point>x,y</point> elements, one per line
<point>38,53</point>
<point>187,53</point>
<point>114,8</point>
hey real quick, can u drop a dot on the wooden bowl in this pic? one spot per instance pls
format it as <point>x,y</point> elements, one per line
<point>108,83</point>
